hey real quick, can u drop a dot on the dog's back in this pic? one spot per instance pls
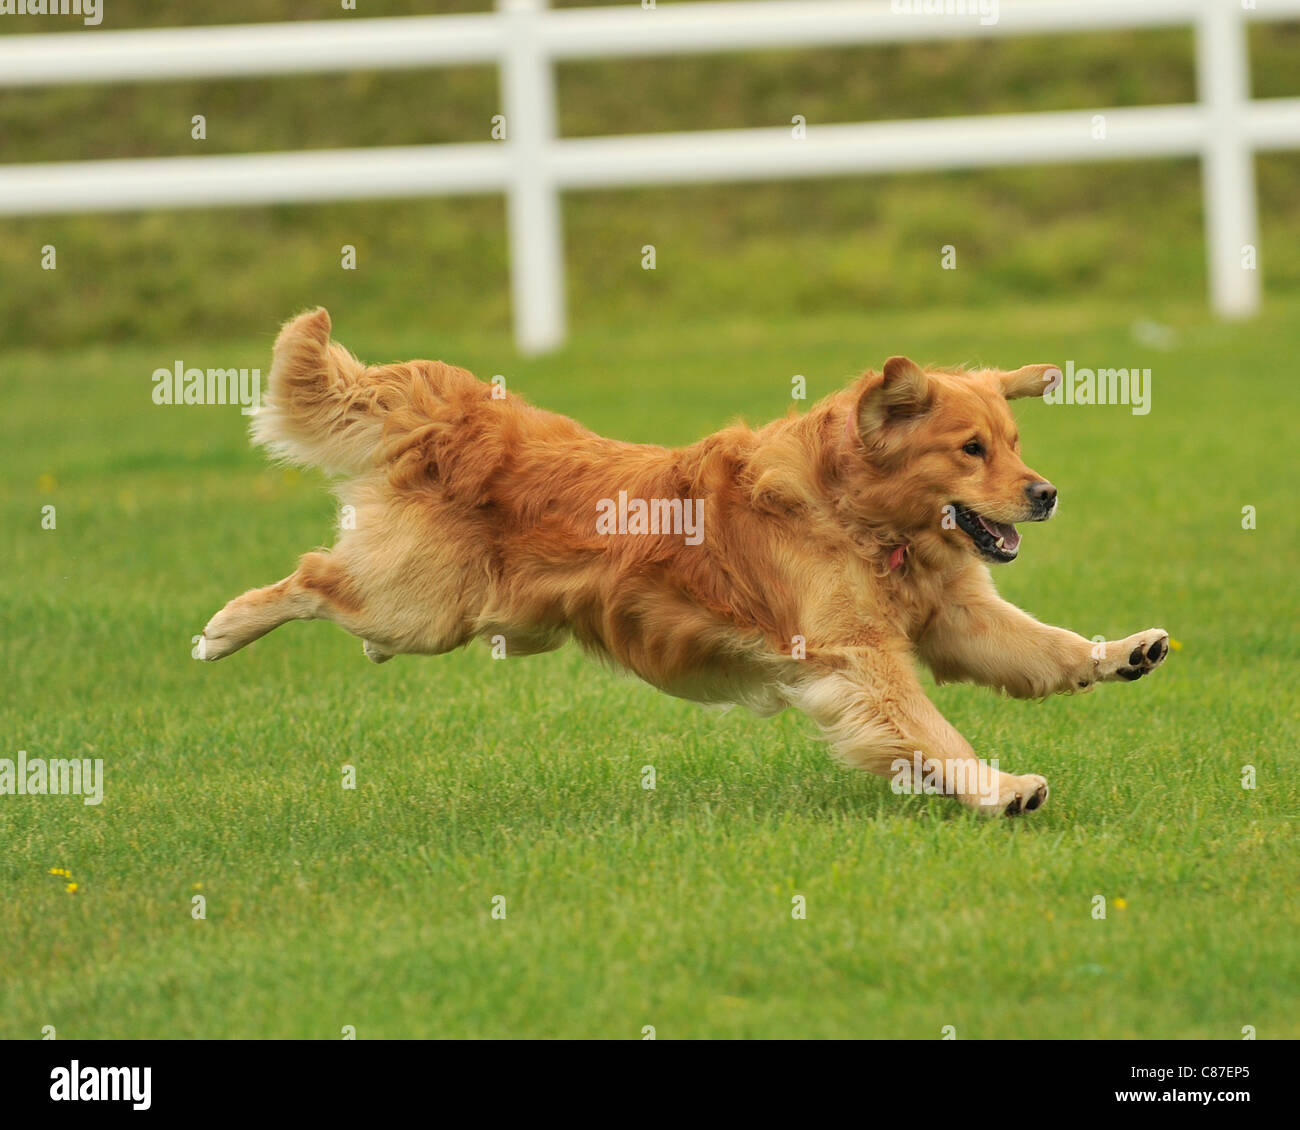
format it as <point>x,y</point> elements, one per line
<point>474,513</point>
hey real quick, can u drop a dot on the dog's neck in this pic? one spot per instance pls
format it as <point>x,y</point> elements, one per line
<point>897,553</point>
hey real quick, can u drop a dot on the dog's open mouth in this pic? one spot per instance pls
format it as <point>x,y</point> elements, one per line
<point>998,541</point>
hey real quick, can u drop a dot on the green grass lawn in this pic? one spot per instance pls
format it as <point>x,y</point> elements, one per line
<point>478,778</point>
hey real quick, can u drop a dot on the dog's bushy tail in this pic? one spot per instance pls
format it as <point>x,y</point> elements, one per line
<point>320,410</point>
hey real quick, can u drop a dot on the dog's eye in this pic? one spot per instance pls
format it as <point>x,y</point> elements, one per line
<point>975,448</point>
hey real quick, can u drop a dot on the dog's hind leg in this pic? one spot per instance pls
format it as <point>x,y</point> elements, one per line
<point>320,589</point>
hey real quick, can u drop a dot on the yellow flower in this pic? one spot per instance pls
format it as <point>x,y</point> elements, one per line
<point>1175,645</point>
<point>71,888</point>
<point>1120,904</point>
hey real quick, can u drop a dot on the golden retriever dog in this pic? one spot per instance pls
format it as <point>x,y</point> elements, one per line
<point>808,563</point>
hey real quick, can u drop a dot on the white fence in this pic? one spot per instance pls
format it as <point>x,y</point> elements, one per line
<point>1225,128</point>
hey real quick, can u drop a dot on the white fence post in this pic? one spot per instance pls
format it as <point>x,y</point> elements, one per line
<point>532,201</point>
<point>1228,163</point>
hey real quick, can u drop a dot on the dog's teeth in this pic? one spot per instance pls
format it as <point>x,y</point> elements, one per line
<point>1000,541</point>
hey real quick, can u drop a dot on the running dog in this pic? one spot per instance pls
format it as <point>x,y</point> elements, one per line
<point>808,563</point>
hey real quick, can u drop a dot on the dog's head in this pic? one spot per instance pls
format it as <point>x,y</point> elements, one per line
<point>942,452</point>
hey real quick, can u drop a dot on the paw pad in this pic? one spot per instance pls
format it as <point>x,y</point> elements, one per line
<point>1033,798</point>
<point>1147,652</point>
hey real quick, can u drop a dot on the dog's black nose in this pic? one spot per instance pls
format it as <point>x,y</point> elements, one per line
<point>1041,494</point>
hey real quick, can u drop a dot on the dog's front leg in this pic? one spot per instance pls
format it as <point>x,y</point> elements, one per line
<point>978,637</point>
<point>876,716</point>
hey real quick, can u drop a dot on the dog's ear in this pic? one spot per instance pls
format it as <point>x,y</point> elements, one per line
<point>1032,380</point>
<point>900,392</point>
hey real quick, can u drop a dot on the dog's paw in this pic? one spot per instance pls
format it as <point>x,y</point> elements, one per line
<point>1139,654</point>
<point>219,638</point>
<point>1022,794</point>
<point>1009,795</point>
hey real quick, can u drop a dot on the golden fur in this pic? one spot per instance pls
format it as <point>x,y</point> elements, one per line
<point>828,560</point>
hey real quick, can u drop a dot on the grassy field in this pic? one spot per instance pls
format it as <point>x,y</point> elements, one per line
<point>476,778</point>
<point>372,907</point>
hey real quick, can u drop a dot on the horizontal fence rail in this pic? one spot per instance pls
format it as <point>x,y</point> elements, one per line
<point>1225,128</point>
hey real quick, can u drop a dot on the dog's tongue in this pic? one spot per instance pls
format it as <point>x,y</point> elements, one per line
<point>1008,533</point>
